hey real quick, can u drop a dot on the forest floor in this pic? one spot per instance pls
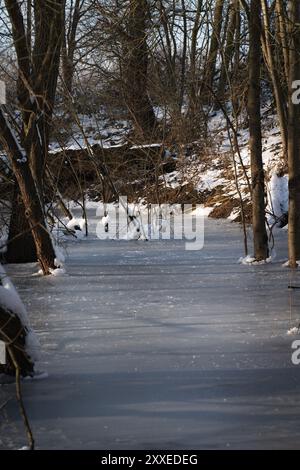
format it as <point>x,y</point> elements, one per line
<point>150,346</point>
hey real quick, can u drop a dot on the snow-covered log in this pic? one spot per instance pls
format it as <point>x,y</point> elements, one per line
<point>21,343</point>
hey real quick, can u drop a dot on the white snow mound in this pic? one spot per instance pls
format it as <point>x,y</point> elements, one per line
<point>10,300</point>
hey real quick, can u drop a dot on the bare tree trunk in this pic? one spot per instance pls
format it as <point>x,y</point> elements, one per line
<point>294,137</point>
<point>260,237</point>
<point>45,68</point>
<point>229,47</point>
<point>30,196</point>
<point>136,70</point>
<point>215,43</point>
<point>184,53</point>
<point>283,35</point>
<point>21,247</point>
<point>170,52</point>
<point>194,77</point>
<point>279,94</point>
<point>69,45</point>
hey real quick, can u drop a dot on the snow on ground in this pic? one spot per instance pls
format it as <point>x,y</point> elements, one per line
<point>278,197</point>
<point>98,129</point>
<point>149,346</point>
<point>216,171</point>
<point>293,331</point>
<point>10,300</point>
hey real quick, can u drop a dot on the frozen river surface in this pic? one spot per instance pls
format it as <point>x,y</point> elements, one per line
<point>151,346</point>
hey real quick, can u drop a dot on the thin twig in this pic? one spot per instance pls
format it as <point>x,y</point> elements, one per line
<point>20,400</point>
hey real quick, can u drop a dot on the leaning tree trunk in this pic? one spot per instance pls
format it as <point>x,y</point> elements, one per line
<point>294,137</point>
<point>30,196</point>
<point>260,237</point>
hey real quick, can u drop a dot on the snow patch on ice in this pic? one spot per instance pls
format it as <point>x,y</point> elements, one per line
<point>78,225</point>
<point>250,260</point>
<point>202,211</point>
<point>293,331</point>
<point>133,233</point>
<point>287,264</point>
<point>60,257</point>
<point>58,272</point>
<point>234,214</point>
<point>38,375</point>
